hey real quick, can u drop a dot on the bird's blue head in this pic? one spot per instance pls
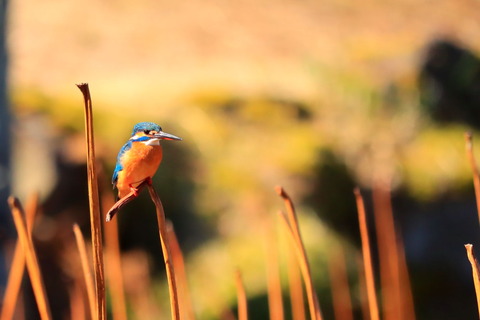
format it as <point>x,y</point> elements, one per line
<point>150,133</point>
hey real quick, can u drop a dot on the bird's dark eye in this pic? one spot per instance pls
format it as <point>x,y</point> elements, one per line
<point>146,131</point>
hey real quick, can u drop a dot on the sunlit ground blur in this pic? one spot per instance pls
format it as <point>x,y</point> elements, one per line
<point>316,96</point>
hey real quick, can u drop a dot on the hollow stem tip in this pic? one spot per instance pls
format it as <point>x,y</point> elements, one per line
<point>469,140</point>
<point>281,192</point>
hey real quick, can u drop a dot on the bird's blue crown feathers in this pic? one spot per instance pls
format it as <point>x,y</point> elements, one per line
<point>142,126</point>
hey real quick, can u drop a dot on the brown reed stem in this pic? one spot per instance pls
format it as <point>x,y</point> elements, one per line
<point>362,287</point>
<point>87,274</point>
<point>342,303</point>
<point>367,256</point>
<point>31,259</point>
<point>303,263</point>
<point>94,203</point>
<point>475,274</point>
<point>241,297</point>
<point>295,284</point>
<point>291,220</point>
<point>17,267</point>
<point>77,303</point>
<point>473,166</point>
<point>180,273</point>
<point>162,230</point>
<point>275,302</point>
<point>113,262</point>
<point>408,305</point>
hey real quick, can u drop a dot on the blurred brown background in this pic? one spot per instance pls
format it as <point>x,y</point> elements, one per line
<point>316,96</point>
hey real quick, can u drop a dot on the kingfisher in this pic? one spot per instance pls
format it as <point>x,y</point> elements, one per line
<point>140,157</point>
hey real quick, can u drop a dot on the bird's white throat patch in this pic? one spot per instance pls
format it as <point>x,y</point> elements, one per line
<point>152,142</point>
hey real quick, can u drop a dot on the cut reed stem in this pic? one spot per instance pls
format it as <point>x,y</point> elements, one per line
<point>77,302</point>
<point>275,302</point>
<point>113,261</point>
<point>475,274</point>
<point>162,230</point>
<point>362,287</point>
<point>291,221</point>
<point>367,256</point>
<point>297,300</point>
<point>87,274</point>
<point>303,263</point>
<point>180,273</point>
<point>94,204</point>
<point>17,267</point>
<point>33,268</point>
<point>473,166</point>
<point>241,297</point>
<point>342,303</point>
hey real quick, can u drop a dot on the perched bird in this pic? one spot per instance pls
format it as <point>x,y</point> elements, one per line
<point>140,157</point>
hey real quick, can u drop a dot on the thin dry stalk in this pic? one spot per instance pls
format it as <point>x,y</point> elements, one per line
<point>17,267</point>
<point>291,220</point>
<point>367,257</point>
<point>304,268</point>
<point>387,252</point>
<point>241,297</point>
<point>114,263</point>
<point>94,203</point>
<point>342,304</point>
<point>77,303</point>
<point>362,286</point>
<point>30,258</point>
<point>475,274</point>
<point>87,274</point>
<point>473,165</point>
<point>275,302</point>
<point>398,302</point>
<point>408,305</point>
<point>180,273</point>
<point>162,230</point>
<point>295,284</point>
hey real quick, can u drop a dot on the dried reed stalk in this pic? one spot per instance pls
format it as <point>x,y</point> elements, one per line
<point>241,297</point>
<point>94,203</point>
<point>275,302</point>
<point>473,165</point>
<point>17,267</point>
<point>295,284</point>
<point>362,286</point>
<point>408,306</point>
<point>77,303</point>
<point>180,273</point>
<point>398,301</point>
<point>30,258</point>
<point>87,274</point>
<point>294,230</point>
<point>342,304</point>
<point>114,263</point>
<point>162,230</point>
<point>367,257</point>
<point>303,263</point>
<point>475,274</point>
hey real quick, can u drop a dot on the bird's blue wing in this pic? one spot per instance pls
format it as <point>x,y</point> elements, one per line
<point>119,166</point>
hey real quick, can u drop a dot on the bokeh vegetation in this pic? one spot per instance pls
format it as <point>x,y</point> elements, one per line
<point>317,97</point>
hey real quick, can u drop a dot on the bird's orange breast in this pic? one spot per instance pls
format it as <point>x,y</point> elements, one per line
<point>139,163</point>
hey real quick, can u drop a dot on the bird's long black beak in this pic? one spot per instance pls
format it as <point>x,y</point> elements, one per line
<point>166,136</point>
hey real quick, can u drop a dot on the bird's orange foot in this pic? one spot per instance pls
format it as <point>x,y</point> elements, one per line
<point>134,190</point>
